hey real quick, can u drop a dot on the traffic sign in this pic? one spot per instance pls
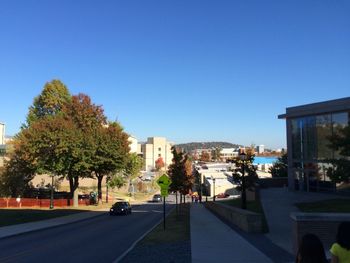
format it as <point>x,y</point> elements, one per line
<point>164,181</point>
<point>164,192</point>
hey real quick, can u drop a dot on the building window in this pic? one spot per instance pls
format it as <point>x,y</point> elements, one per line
<point>159,149</point>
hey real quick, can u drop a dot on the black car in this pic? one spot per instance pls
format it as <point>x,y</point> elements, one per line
<point>157,198</point>
<point>120,208</point>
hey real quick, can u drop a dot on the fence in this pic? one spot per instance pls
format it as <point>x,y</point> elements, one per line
<point>36,202</point>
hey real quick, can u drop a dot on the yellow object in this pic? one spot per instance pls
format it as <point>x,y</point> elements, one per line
<point>342,253</point>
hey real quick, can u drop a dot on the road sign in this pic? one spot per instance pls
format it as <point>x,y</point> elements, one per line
<point>164,181</point>
<point>164,192</point>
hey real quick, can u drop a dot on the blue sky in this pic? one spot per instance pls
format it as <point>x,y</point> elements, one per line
<point>189,70</point>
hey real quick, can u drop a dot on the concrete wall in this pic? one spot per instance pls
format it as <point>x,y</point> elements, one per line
<point>323,225</point>
<point>246,220</point>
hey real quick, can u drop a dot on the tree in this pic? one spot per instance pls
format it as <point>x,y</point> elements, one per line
<point>134,165</point>
<point>180,172</point>
<point>18,171</point>
<point>249,169</point>
<point>50,102</point>
<point>159,164</point>
<point>216,154</point>
<point>280,167</point>
<point>339,172</point>
<point>205,157</point>
<point>112,153</point>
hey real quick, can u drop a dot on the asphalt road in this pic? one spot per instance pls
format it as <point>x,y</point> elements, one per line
<point>100,239</point>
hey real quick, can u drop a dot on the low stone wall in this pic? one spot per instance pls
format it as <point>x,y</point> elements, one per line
<point>323,225</point>
<point>246,220</point>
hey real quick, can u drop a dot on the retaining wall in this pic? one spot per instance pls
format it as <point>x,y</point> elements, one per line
<point>246,220</point>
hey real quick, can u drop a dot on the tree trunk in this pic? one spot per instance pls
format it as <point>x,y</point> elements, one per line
<point>73,184</point>
<point>99,187</point>
<point>177,208</point>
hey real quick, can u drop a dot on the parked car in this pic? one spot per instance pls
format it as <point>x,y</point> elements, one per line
<point>222,195</point>
<point>120,208</point>
<point>157,198</point>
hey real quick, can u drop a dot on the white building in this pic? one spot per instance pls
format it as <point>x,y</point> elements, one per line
<point>134,146</point>
<point>155,148</point>
<point>228,153</point>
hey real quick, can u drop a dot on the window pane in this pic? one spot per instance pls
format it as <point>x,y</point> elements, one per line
<point>296,138</point>
<point>339,121</point>
<point>324,131</point>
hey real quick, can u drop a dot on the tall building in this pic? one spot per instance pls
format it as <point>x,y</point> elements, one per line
<point>260,149</point>
<point>308,130</point>
<point>154,148</point>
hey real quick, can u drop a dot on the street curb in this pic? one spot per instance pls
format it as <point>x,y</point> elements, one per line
<point>140,238</point>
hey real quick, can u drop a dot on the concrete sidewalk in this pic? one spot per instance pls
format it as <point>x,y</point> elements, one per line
<point>13,230</point>
<point>214,241</point>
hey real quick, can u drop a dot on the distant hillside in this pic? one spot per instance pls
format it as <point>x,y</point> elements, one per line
<point>187,147</point>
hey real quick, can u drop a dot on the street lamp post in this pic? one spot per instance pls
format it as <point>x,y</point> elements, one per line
<point>200,188</point>
<point>243,158</point>
<point>51,198</point>
<point>213,189</point>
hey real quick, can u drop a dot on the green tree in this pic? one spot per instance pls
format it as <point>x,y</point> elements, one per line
<point>50,102</point>
<point>339,172</point>
<point>134,165</point>
<point>216,154</point>
<point>18,171</point>
<point>280,167</point>
<point>112,153</point>
<point>249,169</point>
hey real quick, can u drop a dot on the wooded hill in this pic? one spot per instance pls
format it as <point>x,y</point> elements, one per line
<point>187,147</point>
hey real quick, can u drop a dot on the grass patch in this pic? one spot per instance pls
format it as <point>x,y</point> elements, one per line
<point>325,206</point>
<point>253,206</point>
<point>19,216</point>
<point>177,228</point>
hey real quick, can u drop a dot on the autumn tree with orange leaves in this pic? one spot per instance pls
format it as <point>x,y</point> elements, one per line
<point>180,172</point>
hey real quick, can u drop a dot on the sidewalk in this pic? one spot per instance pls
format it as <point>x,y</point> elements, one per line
<point>13,230</point>
<point>214,241</point>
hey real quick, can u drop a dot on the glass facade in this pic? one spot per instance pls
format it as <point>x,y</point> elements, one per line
<point>310,149</point>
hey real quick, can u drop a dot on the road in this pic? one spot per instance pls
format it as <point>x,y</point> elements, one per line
<point>100,239</point>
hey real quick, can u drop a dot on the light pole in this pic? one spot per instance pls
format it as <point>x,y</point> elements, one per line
<point>213,188</point>
<point>51,198</point>
<point>243,158</point>
<point>200,188</point>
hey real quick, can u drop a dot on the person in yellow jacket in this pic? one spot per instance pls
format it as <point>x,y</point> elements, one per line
<point>340,250</point>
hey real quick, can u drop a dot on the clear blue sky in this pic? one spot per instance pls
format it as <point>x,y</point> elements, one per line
<point>187,70</point>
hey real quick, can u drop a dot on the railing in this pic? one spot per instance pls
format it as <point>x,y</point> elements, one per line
<point>35,202</point>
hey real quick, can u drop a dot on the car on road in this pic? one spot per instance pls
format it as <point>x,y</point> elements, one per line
<point>120,208</point>
<point>157,198</point>
<point>222,195</point>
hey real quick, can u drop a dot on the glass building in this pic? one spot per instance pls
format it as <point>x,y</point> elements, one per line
<point>308,130</point>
